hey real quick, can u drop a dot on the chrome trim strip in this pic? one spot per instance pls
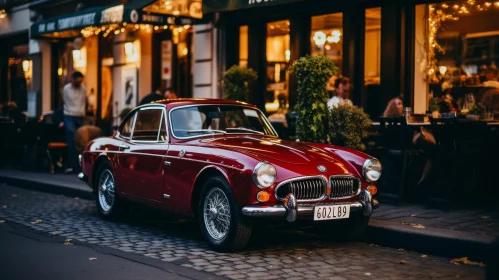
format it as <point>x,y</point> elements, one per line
<point>198,105</point>
<point>280,210</point>
<point>205,162</point>
<point>344,176</point>
<point>294,189</point>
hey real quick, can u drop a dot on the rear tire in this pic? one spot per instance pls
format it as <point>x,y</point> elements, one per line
<point>223,225</point>
<point>109,205</point>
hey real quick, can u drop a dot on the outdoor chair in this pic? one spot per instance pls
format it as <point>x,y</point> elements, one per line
<point>445,132</point>
<point>396,139</point>
<point>472,151</point>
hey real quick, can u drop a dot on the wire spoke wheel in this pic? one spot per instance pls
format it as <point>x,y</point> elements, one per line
<point>216,214</point>
<point>106,190</point>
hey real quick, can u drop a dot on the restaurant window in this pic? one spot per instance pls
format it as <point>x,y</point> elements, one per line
<point>326,38</point>
<point>277,77</point>
<point>461,41</point>
<point>243,46</point>
<point>18,76</point>
<point>372,46</point>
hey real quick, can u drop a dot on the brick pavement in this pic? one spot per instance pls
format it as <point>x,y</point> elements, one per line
<point>272,254</point>
<point>472,221</point>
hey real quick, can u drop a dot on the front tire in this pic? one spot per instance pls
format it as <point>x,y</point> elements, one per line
<point>222,223</point>
<point>109,205</point>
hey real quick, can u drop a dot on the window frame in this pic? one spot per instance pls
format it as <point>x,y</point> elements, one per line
<point>217,105</point>
<point>135,113</point>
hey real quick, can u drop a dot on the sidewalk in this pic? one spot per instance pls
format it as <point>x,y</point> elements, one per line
<point>453,233</point>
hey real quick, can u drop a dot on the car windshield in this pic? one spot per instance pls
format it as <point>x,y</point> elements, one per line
<point>199,120</point>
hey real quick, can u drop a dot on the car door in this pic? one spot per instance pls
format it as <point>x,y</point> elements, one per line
<point>143,155</point>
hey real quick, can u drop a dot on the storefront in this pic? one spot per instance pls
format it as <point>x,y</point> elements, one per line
<point>386,48</point>
<point>16,83</point>
<point>125,52</point>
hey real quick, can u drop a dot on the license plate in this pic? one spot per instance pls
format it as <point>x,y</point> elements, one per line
<point>331,212</point>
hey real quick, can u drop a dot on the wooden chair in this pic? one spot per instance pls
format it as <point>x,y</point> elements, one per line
<point>396,139</point>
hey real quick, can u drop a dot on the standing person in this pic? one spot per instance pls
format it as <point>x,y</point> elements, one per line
<point>74,95</point>
<point>169,94</point>
<point>151,97</point>
<point>340,94</point>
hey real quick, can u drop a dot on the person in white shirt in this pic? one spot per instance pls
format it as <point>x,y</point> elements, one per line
<point>74,95</point>
<point>340,97</point>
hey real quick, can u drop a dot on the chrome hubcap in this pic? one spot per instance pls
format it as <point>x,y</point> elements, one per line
<point>106,190</point>
<point>216,211</point>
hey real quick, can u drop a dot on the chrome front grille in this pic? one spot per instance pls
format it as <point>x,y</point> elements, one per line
<point>344,186</point>
<point>309,188</point>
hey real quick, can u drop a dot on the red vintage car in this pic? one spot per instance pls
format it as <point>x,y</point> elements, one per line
<point>222,162</point>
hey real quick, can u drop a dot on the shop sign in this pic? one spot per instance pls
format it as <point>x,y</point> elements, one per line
<point>112,15</point>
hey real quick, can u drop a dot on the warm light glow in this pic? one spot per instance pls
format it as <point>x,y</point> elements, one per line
<point>372,189</point>
<point>263,196</point>
<point>320,38</point>
<point>59,71</point>
<point>132,51</point>
<point>186,27</point>
<point>442,70</point>
<point>336,34</point>
<point>287,53</point>
<point>3,14</point>
<point>80,58</point>
<point>26,65</point>
<point>277,72</point>
<point>128,48</point>
<point>185,51</point>
<point>76,55</point>
<point>176,12</point>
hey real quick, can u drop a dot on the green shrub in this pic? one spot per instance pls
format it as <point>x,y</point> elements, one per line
<point>236,82</point>
<point>312,74</point>
<point>124,112</point>
<point>348,125</point>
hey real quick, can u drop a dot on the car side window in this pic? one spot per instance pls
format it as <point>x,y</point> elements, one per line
<point>147,125</point>
<point>162,133</point>
<point>126,127</point>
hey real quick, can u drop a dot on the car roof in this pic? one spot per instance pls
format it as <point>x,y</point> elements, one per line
<point>194,101</point>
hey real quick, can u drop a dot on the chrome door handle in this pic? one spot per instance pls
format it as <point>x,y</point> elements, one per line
<point>125,147</point>
<point>167,163</point>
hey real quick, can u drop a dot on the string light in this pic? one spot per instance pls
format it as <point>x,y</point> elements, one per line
<point>117,29</point>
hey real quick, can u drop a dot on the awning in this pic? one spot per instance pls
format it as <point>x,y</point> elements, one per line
<point>212,6</point>
<point>154,12</point>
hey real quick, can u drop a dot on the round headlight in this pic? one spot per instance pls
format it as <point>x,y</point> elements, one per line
<point>372,170</point>
<point>264,175</point>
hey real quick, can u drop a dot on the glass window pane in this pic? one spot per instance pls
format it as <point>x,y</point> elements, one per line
<point>126,128</point>
<point>163,134</point>
<point>147,125</point>
<point>243,46</point>
<point>326,37</point>
<point>277,77</point>
<point>372,46</point>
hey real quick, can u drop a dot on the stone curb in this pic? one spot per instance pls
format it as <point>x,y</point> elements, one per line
<point>443,242</point>
<point>32,184</point>
<point>437,241</point>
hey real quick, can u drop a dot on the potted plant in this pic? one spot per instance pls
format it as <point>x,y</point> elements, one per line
<point>348,125</point>
<point>312,74</point>
<point>236,82</point>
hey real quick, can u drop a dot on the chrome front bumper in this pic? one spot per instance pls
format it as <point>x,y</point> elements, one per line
<point>291,210</point>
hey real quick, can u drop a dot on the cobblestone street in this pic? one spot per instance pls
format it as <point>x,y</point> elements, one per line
<point>272,254</point>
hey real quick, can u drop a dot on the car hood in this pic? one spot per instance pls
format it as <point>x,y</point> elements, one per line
<point>276,149</point>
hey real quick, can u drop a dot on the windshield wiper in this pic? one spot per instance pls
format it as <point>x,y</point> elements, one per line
<point>245,129</point>
<point>209,131</point>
